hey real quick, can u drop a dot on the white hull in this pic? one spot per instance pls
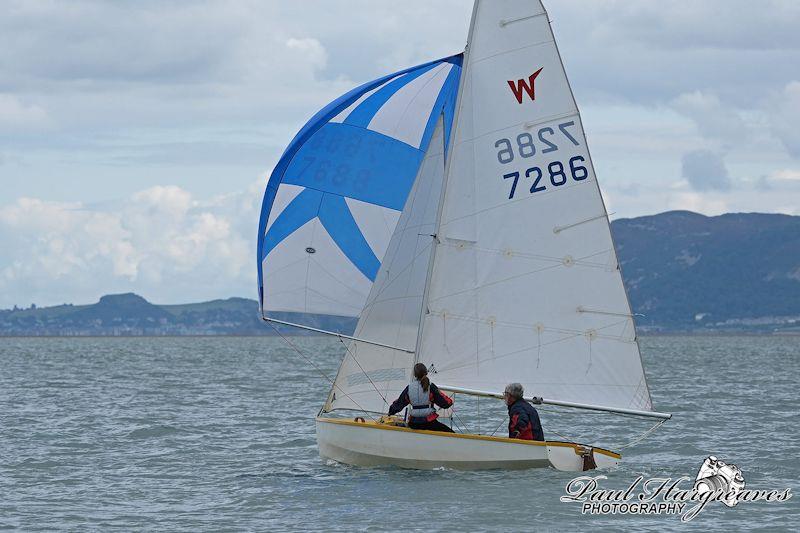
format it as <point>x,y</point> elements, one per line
<point>374,444</point>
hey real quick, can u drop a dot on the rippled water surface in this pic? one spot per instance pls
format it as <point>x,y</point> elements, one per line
<point>218,434</point>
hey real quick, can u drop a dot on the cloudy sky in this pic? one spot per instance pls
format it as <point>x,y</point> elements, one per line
<point>136,137</point>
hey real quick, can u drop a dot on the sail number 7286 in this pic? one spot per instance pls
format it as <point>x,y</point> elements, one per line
<point>557,172</point>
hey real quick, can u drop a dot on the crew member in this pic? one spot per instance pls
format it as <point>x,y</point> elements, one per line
<point>523,420</point>
<point>422,395</point>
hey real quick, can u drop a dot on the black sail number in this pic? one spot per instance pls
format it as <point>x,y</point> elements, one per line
<point>557,173</point>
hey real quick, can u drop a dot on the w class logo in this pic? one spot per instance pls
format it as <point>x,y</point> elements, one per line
<point>517,87</point>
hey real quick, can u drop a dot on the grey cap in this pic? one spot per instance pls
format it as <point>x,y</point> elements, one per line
<point>514,390</point>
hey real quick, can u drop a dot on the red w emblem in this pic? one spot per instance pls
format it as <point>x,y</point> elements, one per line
<point>528,86</point>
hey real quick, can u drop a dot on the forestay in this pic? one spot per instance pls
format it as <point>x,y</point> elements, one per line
<point>525,285</point>
<point>334,198</point>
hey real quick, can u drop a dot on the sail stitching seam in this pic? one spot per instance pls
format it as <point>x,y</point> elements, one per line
<point>513,254</point>
<point>508,354</point>
<point>548,41</point>
<point>522,199</point>
<point>437,74</point>
<point>343,284</point>
<point>517,325</point>
<point>502,280</point>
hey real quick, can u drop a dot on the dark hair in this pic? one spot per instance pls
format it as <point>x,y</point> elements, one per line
<point>421,373</point>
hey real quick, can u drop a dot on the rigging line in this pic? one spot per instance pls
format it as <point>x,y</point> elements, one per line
<point>498,427</point>
<point>362,369</point>
<point>642,436</point>
<point>456,424</point>
<point>464,429</point>
<point>322,373</point>
<point>568,439</point>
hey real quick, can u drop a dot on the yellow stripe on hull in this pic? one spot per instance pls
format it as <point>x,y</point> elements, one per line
<point>372,443</point>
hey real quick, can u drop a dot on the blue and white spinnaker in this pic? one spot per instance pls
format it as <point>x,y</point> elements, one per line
<point>335,196</point>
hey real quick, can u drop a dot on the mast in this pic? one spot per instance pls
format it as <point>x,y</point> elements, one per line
<point>442,195</point>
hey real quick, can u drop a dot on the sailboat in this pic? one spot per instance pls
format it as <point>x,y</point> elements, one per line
<point>453,209</point>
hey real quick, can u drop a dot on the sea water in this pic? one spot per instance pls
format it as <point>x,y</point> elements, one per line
<point>217,434</point>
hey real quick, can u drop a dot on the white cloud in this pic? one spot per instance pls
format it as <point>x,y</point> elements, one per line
<point>159,242</point>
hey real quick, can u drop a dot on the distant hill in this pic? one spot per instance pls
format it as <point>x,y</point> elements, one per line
<point>684,272</point>
<point>130,314</point>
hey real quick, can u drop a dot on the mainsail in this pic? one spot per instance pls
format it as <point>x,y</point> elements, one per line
<point>525,285</point>
<point>488,256</point>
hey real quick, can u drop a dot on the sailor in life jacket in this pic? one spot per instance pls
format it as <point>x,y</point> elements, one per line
<point>422,395</point>
<point>523,420</point>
